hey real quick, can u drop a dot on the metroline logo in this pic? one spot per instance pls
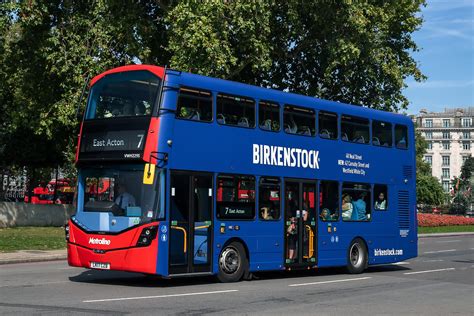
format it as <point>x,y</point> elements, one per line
<point>97,241</point>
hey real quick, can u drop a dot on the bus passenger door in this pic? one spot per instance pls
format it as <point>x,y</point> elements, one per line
<point>300,223</point>
<point>191,226</point>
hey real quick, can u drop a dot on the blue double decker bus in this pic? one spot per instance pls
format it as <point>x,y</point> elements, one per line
<point>182,174</point>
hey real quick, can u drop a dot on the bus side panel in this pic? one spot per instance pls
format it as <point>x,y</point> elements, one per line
<point>265,245</point>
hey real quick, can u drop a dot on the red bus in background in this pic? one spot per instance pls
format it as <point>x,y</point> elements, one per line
<point>44,194</point>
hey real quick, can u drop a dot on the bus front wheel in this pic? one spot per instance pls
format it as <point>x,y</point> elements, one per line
<point>357,257</point>
<point>232,263</point>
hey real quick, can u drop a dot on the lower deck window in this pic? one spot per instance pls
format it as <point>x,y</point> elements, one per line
<point>269,199</point>
<point>356,202</point>
<point>235,197</point>
<point>380,197</point>
<point>329,201</point>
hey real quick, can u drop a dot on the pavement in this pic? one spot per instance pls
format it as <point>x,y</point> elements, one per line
<point>440,281</point>
<point>24,256</point>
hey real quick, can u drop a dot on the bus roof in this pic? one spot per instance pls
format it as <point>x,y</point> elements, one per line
<point>268,94</point>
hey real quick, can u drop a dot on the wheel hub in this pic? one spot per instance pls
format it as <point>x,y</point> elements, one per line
<point>229,260</point>
<point>355,255</point>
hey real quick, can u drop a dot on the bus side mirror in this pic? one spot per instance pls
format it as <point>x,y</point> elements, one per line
<point>149,173</point>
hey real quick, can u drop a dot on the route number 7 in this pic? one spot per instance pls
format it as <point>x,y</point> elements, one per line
<point>140,137</point>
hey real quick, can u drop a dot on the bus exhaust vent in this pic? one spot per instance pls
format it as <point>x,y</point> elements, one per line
<point>407,172</point>
<point>403,209</point>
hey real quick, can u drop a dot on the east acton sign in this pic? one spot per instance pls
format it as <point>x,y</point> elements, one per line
<point>285,156</point>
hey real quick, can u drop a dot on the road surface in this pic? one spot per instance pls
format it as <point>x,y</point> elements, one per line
<point>439,282</point>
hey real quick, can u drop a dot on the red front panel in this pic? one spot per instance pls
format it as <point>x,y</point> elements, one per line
<point>119,250</point>
<point>151,145</point>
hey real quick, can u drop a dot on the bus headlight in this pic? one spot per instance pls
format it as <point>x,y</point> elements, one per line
<point>147,235</point>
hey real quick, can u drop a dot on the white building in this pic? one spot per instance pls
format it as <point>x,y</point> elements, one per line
<point>450,141</point>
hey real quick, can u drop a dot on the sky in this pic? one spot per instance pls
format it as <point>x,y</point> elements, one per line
<point>446,57</point>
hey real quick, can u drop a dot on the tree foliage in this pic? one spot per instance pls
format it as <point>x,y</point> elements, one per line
<point>356,52</point>
<point>461,193</point>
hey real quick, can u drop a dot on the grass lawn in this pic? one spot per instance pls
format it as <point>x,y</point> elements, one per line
<point>31,238</point>
<point>446,229</point>
<point>50,238</point>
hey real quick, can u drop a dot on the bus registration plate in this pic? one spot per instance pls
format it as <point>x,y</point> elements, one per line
<point>100,265</point>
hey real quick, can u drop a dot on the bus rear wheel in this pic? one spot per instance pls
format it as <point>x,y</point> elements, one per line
<point>232,263</point>
<point>357,257</point>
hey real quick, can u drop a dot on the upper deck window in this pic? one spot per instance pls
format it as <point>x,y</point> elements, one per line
<point>354,129</point>
<point>194,105</point>
<point>381,134</point>
<point>237,111</point>
<point>327,125</point>
<point>124,94</point>
<point>269,116</point>
<point>401,136</point>
<point>300,121</point>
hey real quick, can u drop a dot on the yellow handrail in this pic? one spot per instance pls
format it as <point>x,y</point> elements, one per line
<point>185,236</point>
<point>311,242</point>
<point>201,227</point>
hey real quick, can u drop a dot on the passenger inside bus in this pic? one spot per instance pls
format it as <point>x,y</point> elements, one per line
<point>140,109</point>
<point>291,234</point>
<point>329,200</point>
<point>266,213</point>
<point>359,208</point>
<point>326,215</point>
<point>290,125</point>
<point>381,203</point>
<point>347,207</point>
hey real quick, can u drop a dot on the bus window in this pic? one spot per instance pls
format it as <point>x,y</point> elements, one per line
<point>235,197</point>
<point>329,201</point>
<point>269,116</point>
<point>327,125</point>
<point>130,93</point>
<point>300,121</point>
<point>194,105</point>
<point>237,111</point>
<point>401,136</point>
<point>356,202</point>
<point>381,134</point>
<point>354,129</point>
<point>380,197</point>
<point>269,199</point>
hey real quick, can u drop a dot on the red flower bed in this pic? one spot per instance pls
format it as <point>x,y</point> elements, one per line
<point>432,220</point>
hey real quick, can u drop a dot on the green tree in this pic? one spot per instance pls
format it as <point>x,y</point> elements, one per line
<point>226,39</point>
<point>429,191</point>
<point>355,52</point>
<point>49,50</point>
<point>352,52</point>
<point>461,194</point>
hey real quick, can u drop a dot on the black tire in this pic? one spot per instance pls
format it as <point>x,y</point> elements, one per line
<point>233,263</point>
<point>357,257</point>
